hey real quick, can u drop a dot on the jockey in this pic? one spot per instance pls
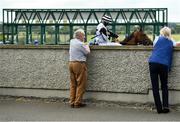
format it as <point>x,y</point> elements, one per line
<point>102,33</point>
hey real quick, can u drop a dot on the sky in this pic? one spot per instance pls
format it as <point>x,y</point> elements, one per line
<point>172,5</point>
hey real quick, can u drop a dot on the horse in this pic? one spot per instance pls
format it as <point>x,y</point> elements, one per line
<point>137,38</point>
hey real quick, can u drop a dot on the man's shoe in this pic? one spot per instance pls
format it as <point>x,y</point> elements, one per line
<point>80,105</point>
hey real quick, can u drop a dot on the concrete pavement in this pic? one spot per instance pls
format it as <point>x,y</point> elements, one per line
<point>20,109</point>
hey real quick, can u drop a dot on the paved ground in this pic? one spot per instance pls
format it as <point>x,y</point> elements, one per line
<point>28,109</point>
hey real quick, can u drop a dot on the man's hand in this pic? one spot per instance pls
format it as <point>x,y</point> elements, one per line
<point>87,48</point>
<point>113,34</point>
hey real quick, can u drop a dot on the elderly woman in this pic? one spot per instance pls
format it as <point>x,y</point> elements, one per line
<point>159,65</point>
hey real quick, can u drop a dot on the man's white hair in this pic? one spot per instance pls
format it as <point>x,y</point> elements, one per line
<point>77,32</point>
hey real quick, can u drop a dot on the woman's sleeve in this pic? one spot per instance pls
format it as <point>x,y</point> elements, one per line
<point>155,40</point>
<point>174,43</point>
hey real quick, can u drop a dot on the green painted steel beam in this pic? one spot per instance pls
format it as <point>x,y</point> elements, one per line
<point>12,18</point>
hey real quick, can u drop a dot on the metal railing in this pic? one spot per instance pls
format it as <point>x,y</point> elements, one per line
<point>56,26</point>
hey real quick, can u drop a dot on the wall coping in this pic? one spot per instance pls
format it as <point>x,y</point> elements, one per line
<point>67,47</point>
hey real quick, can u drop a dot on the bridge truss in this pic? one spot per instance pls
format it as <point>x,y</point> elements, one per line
<point>56,26</point>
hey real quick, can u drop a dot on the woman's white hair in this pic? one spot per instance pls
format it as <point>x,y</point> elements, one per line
<point>166,32</point>
<point>77,32</point>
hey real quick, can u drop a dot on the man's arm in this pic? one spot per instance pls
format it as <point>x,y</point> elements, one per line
<point>111,34</point>
<point>103,30</point>
<point>85,49</point>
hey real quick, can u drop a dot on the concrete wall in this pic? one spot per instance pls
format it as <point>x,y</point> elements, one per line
<point>114,73</point>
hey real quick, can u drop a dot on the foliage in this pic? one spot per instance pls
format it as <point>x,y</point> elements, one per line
<point>1,37</point>
<point>175,28</point>
<point>65,30</point>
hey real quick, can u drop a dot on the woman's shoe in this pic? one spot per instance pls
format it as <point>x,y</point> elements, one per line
<point>160,111</point>
<point>165,110</point>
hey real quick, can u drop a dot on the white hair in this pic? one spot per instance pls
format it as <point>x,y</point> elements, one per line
<point>166,32</point>
<point>77,32</point>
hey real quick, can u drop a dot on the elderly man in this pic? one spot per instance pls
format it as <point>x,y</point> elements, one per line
<point>78,69</point>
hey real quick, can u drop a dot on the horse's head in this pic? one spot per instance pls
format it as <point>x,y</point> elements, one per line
<point>143,39</point>
<point>128,40</point>
<point>136,38</point>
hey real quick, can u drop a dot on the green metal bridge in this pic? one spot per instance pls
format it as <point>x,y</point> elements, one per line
<point>56,26</point>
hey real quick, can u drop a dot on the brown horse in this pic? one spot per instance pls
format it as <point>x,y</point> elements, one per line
<point>137,38</point>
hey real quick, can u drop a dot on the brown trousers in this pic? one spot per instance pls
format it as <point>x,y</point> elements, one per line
<point>78,77</point>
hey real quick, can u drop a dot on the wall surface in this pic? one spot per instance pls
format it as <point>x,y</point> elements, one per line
<point>114,73</point>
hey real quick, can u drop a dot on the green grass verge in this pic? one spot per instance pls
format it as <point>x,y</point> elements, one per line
<point>65,38</point>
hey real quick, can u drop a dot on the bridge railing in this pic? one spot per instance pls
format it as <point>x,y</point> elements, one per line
<point>56,26</point>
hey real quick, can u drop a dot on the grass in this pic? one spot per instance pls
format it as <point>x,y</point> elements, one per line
<point>64,38</point>
<point>176,37</point>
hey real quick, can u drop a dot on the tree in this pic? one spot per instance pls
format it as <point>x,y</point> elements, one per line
<point>177,28</point>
